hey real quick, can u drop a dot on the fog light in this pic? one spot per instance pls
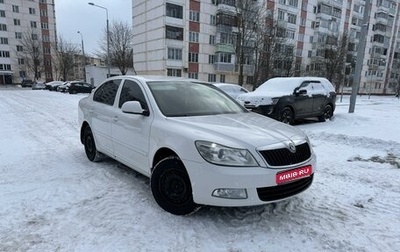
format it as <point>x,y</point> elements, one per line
<point>230,193</point>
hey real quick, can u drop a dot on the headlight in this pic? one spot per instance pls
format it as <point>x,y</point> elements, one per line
<point>223,155</point>
<point>275,101</point>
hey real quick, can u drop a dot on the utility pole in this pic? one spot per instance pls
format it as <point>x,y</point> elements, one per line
<point>360,56</point>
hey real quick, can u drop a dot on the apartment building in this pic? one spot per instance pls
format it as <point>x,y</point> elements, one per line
<point>22,20</point>
<point>195,39</point>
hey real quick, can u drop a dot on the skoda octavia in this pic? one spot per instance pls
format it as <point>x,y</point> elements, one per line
<point>197,145</point>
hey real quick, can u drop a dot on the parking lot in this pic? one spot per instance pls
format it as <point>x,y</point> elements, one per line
<point>53,199</point>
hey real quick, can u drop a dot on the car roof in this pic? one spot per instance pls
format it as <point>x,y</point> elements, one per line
<point>148,78</point>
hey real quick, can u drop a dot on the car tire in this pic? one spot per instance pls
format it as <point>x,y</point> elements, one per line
<point>171,187</point>
<point>287,116</point>
<point>327,114</point>
<point>72,92</point>
<point>90,146</point>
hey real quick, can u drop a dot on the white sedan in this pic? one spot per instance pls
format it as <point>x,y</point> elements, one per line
<point>197,145</point>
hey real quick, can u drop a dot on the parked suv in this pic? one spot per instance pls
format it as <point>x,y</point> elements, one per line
<point>196,144</point>
<point>287,99</point>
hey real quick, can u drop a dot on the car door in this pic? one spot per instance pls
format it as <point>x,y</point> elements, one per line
<point>303,103</point>
<point>131,132</point>
<point>102,113</point>
<point>319,95</point>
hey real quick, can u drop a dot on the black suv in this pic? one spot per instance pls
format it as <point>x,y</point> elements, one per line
<point>290,98</point>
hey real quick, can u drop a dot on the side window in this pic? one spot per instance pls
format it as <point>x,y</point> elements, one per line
<point>318,88</point>
<point>131,91</point>
<point>304,85</point>
<point>107,92</point>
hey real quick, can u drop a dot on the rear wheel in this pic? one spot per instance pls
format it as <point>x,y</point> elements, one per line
<point>328,113</point>
<point>90,145</point>
<point>171,187</point>
<point>287,116</point>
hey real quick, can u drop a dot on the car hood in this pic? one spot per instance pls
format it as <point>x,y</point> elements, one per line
<point>260,98</point>
<point>238,130</point>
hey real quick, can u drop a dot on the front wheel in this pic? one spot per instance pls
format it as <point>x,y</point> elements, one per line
<point>171,187</point>
<point>287,116</point>
<point>90,146</point>
<point>327,114</point>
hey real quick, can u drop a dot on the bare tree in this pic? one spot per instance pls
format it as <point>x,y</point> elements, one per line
<point>65,57</point>
<point>330,61</point>
<point>121,46</point>
<point>32,53</point>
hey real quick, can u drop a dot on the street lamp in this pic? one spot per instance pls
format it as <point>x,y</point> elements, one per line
<point>84,57</point>
<point>108,37</point>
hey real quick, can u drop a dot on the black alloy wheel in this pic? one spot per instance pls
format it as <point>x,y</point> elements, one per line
<point>328,113</point>
<point>287,116</point>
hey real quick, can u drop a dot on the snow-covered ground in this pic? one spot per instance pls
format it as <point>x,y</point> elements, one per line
<point>53,199</point>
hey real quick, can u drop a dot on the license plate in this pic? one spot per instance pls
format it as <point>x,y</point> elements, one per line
<point>287,176</point>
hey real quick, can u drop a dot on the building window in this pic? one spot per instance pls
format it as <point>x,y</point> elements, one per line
<point>193,75</point>
<point>43,13</point>
<point>17,21</point>
<point>194,37</point>
<point>175,11</point>
<point>3,27</point>
<point>212,78</point>
<point>175,53</point>
<point>43,1</point>
<point>4,41</point>
<point>211,59</point>
<point>19,48</point>
<point>15,8</point>
<point>224,57</point>
<point>5,67</point>
<point>173,32</point>
<point>174,72</point>
<point>225,38</point>
<point>33,24</point>
<point>46,50</point>
<point>193,57</point>
<point>22,74</point>
<point>222,78</point>
<point>212,40</point>
<point>44,26</point>
<point>2,13</point>
<point>250,80</point>
<point>213,20</point>
<point>21,61</point>
<point>4,54</point>
<point>281,15</point>
<point>34,36</point>
<point>18,35</point>
<point>293,3</point>
<point>32,11</point>
<point>194,16</point>
<point>292,18</point>
<point>46,38</point>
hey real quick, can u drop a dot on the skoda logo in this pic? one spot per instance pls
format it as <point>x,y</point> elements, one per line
<point>292,147</point>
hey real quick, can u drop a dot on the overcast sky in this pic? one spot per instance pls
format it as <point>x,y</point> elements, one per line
<point>77,15</point>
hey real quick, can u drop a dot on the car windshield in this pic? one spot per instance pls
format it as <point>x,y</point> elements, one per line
<point>184,98</point>
<point>279,85</point>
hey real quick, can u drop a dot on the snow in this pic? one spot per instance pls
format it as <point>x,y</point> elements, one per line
<point>53,199</point>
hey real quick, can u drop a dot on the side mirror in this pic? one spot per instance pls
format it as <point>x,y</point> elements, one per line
<point>298,91</point>
<point>134,107</point>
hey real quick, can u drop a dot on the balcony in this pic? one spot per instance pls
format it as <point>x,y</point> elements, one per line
<point>226,48</point>
<point>227,9</point>
<point>224,67</point>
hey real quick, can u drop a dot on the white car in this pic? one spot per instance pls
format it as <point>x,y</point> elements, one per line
<point>233,90</point>
<point>197,145</point>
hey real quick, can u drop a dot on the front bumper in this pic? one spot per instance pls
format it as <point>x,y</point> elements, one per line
<point>259,183</point>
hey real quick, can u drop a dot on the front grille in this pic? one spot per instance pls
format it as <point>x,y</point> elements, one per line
<point>283,191</point>
<point>283,157</point>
